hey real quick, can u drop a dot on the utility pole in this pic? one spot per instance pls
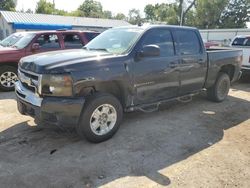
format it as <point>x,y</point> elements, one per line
<point>182,11</point>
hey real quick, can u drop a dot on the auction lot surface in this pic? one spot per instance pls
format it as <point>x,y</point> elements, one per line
<point>196,144</point>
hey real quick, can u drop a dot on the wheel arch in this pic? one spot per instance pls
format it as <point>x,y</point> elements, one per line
<point>114,88</point>
<point>228,69</point>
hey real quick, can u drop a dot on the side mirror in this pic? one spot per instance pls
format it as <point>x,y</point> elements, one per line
<point>35,47</point>
<point>150,51</point>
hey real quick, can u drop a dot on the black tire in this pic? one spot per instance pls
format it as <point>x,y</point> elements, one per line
<point>4,70</point>
<point>93,103</point>
<point>220,89</point>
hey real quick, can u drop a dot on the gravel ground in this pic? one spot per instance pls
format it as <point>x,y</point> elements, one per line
<point>195,144</point>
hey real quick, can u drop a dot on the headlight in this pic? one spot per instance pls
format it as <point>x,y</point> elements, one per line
<point>56,85</point>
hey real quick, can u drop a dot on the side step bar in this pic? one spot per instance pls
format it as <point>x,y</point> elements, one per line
<point>152,107</point>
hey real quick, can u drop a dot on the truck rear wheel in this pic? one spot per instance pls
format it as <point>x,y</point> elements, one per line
<point>101,118</point>
<point>219,91</point>
<point>8,77</point>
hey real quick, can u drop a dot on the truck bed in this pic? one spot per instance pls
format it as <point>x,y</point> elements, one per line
<point>218,57</point>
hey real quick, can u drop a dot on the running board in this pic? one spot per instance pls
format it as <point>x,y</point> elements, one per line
<point>149,108</point>
<point>152,107</point>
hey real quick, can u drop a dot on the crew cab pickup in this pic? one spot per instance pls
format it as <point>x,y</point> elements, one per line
<point>123,69</point>
<point>243,43</point>
<point>22,44</point>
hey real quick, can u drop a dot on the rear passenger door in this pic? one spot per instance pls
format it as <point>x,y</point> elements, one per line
<point>193,64</point>
<point>72,41</point>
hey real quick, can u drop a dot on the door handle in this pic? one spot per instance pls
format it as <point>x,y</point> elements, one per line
<point>186,68</point>
<point>173,65</point>
<point>201,61</point>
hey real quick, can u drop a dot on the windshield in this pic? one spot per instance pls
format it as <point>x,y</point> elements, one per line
<point>24,41</point>
<point>12,39</point>
<point>243,41</point>
<point>116,41</point>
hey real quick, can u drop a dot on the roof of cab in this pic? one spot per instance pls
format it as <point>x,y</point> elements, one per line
<point>149,26</point>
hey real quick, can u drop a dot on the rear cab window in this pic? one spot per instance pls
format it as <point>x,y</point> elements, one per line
<point>188,42</point>
<point>72,41</point>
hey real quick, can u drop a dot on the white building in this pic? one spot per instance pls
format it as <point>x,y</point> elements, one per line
<point>11,22</point>
<point>223,36</point>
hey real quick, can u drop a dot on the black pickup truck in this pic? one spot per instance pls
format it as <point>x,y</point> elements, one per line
<point>123,69</point>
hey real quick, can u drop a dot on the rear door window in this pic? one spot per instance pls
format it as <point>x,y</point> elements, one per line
<point>48,41</point>
<point>72,41</point>
<point>189,43</point>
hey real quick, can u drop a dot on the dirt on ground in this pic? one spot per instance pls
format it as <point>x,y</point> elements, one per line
<point>195,144</point>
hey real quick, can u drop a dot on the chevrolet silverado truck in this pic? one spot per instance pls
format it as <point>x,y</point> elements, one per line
<point>22,44</point>
<point>122,70</point>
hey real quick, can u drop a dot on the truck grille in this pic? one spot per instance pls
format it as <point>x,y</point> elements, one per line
<point>29,80</point>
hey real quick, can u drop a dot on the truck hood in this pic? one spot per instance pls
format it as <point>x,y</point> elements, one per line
<point>60,61</point>
<point>6,50</point>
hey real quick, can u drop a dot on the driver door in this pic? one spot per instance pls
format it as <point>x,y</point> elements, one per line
<point>47,42</point>
<point>157,78</point>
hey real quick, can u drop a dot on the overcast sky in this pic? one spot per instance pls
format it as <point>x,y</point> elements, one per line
<point>115,6</point>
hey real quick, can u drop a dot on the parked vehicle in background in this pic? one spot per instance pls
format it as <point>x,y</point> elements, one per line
<point>243,43</point>
<point>123,69</point>
<point>11,40</point>
<point>22,44</point>
<point>211,44</point>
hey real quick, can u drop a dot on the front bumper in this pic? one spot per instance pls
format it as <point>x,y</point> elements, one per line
<point>54,110</point>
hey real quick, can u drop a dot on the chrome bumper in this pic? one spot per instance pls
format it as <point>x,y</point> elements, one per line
<point>26,95</point>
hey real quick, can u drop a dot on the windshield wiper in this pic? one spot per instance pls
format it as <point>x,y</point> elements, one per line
<point>98,49</point>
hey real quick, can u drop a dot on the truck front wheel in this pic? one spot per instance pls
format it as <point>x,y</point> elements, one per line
<point>101,118</point>
<point>8,77</point>
<point>219,91</point>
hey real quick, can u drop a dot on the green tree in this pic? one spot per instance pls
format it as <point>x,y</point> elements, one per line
<point>134,16</point>
<point>184,6</point>
<point>76,13</point>
<point>150,12</point>
<point>236,14</point>
<point>190,19</point>
<point>44,7</point>
<point>29,11</point>
<point>107,14</point>
<point>162,13</point>
<point>120,16</point>
<point>7,5</point>
<point>209,13</point>
<point>167,13</point>
<point>60,12</point>
<point>91,8</point>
